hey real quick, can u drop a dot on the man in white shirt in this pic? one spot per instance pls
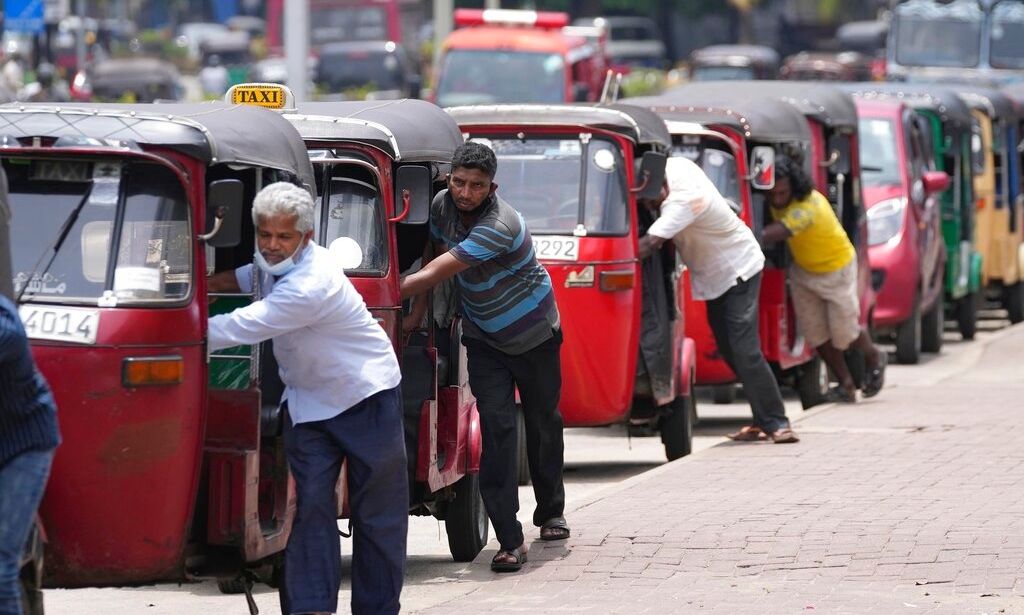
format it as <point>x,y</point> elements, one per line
<point>341,381</point>
<point>725,263</point>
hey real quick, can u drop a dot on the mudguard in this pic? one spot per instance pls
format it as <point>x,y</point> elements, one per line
<point>475,441</point>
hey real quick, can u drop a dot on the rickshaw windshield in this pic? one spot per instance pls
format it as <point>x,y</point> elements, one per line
<point>352,225</point>
<point>471,77</point>
<point>1007,35</point>
<point>933,34</point>
<point>541,178</point>
<point>723,73</point>
<point>879,152</point>
<point>719,166</point>
<point>139,207</point>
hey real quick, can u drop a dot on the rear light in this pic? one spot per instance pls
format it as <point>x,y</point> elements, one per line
<point>151,371</point>
<point>510,17</point>
<point>981,203</point>
<point>612,281</point>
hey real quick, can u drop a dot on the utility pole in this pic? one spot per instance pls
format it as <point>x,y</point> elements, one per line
<point>492,4</point>
<point>442,27</point>
<point>296,46</point>
<point>80,36</point>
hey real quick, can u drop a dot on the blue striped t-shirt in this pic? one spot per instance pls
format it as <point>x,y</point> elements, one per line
<point>505,295</point>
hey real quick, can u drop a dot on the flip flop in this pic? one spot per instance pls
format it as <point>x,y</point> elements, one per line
<point>554,529</point>
<point>874,380</point>
<point>518,555</point>
<point>749,433</point>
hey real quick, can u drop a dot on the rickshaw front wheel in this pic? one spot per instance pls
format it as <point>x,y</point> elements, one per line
<point>677,427</point>
<point>1013,301</point>
<point>465,520</point>
<point>967,315</point>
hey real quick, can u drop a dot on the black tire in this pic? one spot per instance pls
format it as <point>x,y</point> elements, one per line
<point>723,393</point>
<point>967,314</point>
<point>522,461</point>
<point>31,573</point>
<point>932,326</point>
<point>908,338</point>
<point>677,427</point>
<point>465,520</point>
<point>812,383</point>
<point>237,585</point>
<point>1013,301</point>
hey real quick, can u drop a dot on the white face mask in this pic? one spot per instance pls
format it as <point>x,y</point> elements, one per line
<point>280,268</point>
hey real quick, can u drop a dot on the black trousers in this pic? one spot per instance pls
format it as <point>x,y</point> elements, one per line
<point>733,320</point>
<point>369,436</point>
<point>494,377</point>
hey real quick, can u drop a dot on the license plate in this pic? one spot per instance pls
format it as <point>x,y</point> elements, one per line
<point>78,326</point>
<point>555,248</point>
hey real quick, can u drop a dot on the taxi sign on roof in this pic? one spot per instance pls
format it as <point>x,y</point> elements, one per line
<point>268,95</point>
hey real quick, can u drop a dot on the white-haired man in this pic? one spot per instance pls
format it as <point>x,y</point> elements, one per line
<point>341,385</point>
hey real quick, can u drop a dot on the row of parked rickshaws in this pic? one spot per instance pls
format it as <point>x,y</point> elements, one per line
<point>172,464</point>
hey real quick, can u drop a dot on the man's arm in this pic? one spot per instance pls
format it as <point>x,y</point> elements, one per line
<point>776,232</point>
<point>418,310</point>
<point>223,282</point>
<point>432,274</point>
<point>277,313</point>
<point>650,244</point>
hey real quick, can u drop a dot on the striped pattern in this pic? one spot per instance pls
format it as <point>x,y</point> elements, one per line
<point>28,415</point>
<point>506,295</point>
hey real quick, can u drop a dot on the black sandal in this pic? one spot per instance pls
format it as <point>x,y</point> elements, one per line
<point>841,395</point>
<point>518,557</point>
<point>874,380</point>
<point>554,529</point>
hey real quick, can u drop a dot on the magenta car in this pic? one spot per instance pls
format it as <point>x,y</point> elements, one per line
<point>906,249</point>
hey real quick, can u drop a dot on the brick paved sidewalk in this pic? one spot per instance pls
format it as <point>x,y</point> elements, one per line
<point>909,503</point>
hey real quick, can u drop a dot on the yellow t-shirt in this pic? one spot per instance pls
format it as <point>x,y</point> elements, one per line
<point>819,244</point>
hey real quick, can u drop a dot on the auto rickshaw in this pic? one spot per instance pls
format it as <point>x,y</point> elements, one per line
<point>823,66</point>
<point>232,51</point>
<point>999,232</point>
<point>166,472</point>
<point>128,80</point>
<point>952,128</point>
<point>736,144</point>
<point>734,62</point>
<point>378,167</point>
<point>575,173</point>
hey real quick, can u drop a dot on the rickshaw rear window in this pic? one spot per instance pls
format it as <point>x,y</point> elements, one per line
<point>352,223</point>
<point>541,179</point>
<point>140,207</point>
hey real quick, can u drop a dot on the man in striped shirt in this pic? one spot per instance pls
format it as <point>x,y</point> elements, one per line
<point>512,337</point>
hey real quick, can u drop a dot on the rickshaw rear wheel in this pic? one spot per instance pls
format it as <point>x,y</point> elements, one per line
<point>967,315</point>
<point>1013,301</point>
<point>932,326</point>
<point>31,574</point>
<point>465,520</point>
<point>677,427</point>
<point>908,337</point>
<point>812,382</point>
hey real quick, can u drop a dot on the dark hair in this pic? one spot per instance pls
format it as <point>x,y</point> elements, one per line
<point>792,170</point>
<point>473,155</point>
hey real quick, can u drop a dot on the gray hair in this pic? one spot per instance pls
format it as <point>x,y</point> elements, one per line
<point>284,199</point>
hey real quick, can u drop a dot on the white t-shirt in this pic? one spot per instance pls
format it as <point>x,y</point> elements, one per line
<point>716,246</point>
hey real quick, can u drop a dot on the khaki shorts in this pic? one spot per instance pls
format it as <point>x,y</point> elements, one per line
<point>827,306</point>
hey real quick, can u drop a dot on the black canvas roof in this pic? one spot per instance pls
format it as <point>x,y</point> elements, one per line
<point>212,132</point>
<point>933,96</point>
<point>827,103</point>
<point>408,130</point>
<point>989,100</point>
<point>636,123</point>
<point>769,120</point>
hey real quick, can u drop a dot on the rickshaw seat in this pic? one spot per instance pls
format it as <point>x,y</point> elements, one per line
<point>417,387</point>
<point>271,392</point>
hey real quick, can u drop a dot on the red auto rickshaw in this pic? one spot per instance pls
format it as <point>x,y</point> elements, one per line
<point>162,475</point>
<point>575,172</point>
<point>735,144</point>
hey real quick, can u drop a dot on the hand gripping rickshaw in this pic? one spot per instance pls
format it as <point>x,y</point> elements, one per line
<point>575,173</point>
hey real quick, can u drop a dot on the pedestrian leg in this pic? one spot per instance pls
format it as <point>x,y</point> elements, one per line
<point>371,435</point>
<point>492,383</point>
<point>22,482</point>
<point>538,376</point>
<point>312,558</point>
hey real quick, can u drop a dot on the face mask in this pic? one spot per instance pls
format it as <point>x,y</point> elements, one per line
<point>280,268</point>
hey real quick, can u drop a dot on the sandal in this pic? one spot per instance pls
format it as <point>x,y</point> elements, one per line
<point>749,433</point>
<point>784,436</point>
<point>874,380</point>
<point>554,529</point>
<point>509,560</point>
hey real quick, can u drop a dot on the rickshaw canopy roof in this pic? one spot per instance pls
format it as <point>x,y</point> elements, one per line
<point>768,120</point>
<point>407,130</point>
<point>936,97</point>
<point>992,102</point>
<point>826,103</point>
<point>637,124</point>
<point>134,71</point>
<point>215,133</point>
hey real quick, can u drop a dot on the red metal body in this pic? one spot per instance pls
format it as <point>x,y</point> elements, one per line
<point>915,257</point>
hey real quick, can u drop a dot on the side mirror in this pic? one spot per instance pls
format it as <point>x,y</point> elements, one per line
<point>224,213</point>
<point>935,182</point>
<point>580,91</point>
<point>412,194</point>
<point>839,162</point>
<point>762,175</point>
<point>650,176</point>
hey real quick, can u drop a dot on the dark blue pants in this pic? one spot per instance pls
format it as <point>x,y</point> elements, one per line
<point>22,481</point>
<point>369,436</point>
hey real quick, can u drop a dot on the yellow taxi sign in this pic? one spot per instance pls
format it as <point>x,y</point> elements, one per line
<point>269,95</point>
